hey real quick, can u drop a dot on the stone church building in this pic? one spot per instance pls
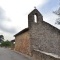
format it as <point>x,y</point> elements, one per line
<point>40,39</point>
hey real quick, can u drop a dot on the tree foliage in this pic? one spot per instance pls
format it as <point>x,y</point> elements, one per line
<point>1,38</point>
<point>57,12</point>
<point>6,43</point>
<point>57,21</point>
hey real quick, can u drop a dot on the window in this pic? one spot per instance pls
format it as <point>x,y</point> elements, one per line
<point>35,18</point>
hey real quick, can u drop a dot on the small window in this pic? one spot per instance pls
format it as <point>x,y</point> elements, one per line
<point>35,18</point>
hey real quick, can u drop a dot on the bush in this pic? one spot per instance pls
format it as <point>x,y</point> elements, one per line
<point>6,44</point>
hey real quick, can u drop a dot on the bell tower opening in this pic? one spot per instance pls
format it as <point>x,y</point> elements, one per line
<point>35,18</point>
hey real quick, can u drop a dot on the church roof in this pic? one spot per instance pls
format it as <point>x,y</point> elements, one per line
<point>35,11</point>
<point>24,30</point>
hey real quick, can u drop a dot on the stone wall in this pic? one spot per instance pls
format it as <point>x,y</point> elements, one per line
<point>12,46</point>
<point>22,43</point>
<point>41,56</point>
<point>44,36</point>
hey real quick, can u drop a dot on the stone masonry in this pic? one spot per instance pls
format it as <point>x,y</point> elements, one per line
<point>41,56</point>
<point>42,40</point>
<point>22,42</point>
<point>43,36</point>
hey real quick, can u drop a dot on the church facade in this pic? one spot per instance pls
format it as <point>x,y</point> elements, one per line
<point>42,39</point>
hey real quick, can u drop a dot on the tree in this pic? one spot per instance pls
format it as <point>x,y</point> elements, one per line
<point>1,38</point>
<point>6,43</point>
<point>57,12</point>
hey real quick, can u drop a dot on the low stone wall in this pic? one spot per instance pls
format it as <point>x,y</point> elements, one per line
<point>42,56</point>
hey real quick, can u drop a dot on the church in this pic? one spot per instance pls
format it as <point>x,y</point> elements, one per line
<point>40,40</point>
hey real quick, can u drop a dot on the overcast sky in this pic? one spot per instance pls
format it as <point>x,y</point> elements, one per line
<point>14,14</point>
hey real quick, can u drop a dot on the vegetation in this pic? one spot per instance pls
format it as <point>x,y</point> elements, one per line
<point>1,38</point>
<point>5,44</point>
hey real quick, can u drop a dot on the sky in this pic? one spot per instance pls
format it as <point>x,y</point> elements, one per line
<point>14,14</point>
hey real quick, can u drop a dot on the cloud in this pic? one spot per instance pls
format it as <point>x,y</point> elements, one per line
<point>17,12</point>
<point>51,18</point>
<point>47,12</point>
<point>5,23</point>
<point>6,29</point>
